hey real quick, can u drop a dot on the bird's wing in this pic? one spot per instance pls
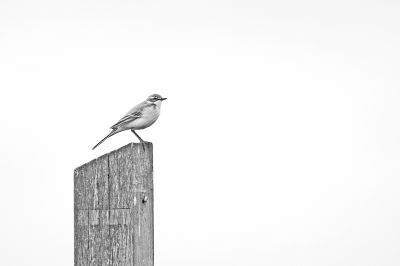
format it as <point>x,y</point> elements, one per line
<point>134,113</point>
<point>127,119</point>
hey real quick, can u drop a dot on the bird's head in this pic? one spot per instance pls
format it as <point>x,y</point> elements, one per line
<point>155,98</point>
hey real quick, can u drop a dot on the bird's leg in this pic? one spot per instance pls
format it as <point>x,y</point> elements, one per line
<point>133,131</point>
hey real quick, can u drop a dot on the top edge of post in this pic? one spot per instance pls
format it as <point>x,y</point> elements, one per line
<point>132,144</point>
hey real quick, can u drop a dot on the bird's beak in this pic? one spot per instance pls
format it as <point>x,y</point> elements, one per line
<point>162,99</point>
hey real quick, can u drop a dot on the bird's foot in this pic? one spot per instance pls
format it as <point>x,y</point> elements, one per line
<point>140,139</point>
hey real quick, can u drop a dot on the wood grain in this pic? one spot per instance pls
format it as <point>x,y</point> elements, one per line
<point>113,208</point>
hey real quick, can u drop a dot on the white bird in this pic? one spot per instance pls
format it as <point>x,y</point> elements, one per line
<point>139,117</point>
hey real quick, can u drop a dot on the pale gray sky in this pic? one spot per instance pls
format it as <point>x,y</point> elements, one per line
<point>278,144</point>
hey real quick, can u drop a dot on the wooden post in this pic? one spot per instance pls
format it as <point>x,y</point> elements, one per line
<point>113,208</point>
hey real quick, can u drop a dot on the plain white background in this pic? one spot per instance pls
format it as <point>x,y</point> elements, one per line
<point>278,144</point>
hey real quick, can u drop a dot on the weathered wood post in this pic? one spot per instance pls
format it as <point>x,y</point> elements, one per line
<point>113,208</point>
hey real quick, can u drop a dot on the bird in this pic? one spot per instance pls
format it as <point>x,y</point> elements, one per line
<point>139,117</point>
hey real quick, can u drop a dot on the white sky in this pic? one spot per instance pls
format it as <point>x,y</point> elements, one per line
<point>278,144</point>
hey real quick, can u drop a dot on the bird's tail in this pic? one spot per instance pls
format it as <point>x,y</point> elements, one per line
<point>115,131</point>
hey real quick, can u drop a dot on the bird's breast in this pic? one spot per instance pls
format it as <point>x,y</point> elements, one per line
<point>149,116</point>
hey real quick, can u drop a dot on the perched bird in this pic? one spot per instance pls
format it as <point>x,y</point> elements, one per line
<point>141,116</point>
